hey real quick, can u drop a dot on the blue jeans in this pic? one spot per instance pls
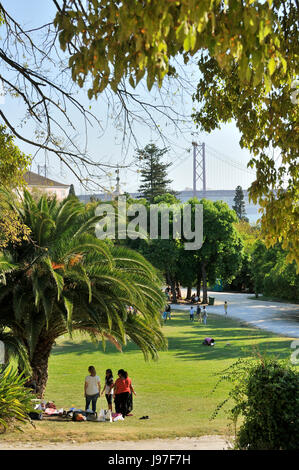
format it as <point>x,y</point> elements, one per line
<point>93,399</point>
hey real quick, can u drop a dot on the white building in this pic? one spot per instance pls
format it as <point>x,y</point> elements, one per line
<point>39,183</point>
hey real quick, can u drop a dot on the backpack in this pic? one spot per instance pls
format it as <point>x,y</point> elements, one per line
<point>36,415</point>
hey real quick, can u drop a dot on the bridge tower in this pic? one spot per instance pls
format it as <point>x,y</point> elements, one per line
<point>199,166</point>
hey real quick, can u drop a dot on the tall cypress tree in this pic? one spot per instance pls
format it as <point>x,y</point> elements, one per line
<point>72,190</point>
<point>239,206</point>
<point>154,181</point>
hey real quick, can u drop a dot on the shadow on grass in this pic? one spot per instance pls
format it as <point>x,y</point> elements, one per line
<point>84,347</point>
<point>187,345</point>
<point>232,340</point>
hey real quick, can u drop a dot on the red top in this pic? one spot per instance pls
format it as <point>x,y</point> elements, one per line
<point>122,385</point>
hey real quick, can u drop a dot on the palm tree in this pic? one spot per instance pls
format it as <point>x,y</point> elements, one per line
<point>65,279</point>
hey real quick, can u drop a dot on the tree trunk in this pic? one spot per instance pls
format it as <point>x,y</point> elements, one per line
<point>178,288</point>
<point>172,285</point>
<point>189,291</point>
<point>204,284</point>
<point>198,285</point>
<point>39,364</point>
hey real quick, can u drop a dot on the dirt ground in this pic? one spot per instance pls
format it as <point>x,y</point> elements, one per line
<point>185,443</point>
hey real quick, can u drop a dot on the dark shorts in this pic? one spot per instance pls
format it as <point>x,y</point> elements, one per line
<point>109,398</point>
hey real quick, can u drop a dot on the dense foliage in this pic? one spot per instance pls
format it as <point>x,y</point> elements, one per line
<point>272,275</point>
<point>219,256</point>
<point>265,394</point>
<point>13,164</point>
<point>15,399</point>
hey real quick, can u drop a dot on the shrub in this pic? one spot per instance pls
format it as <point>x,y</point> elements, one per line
<point>15,399</point>
<point>266,396</point>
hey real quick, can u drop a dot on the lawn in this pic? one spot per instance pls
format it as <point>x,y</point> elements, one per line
<point>175,391</point>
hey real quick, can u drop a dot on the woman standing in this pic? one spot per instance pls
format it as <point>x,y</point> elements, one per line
<point>108,388</point>
<point>123,393</point>
<point>92,388</point>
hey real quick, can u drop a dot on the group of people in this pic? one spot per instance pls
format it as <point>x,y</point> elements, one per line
<point>194,299</point>
<point>169,294</point>
<point>120,391</point>
<point>201,314</point>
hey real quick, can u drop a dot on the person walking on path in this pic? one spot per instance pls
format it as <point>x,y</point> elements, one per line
<point>204,315</point>
<point>92,388</point>
<point>225,309</point>
<point>108,388</point>
<point>123,390</point>
<point>192,313</point>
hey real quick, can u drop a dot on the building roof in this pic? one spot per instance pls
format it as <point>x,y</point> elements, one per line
<point>33,179</point>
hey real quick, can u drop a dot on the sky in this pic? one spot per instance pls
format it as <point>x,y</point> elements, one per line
<point>221,145</point>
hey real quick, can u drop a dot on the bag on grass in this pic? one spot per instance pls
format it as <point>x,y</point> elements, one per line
<point>36,415</point>
<point>91,416</point>
<point>101,417</point>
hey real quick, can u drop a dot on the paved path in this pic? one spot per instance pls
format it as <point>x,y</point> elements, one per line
<point>182,443</point>
<point>277,317</point>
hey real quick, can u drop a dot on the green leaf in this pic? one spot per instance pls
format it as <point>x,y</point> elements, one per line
<point>271,66</point>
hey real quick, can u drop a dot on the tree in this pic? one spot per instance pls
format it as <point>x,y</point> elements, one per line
<point>72,190</point>
<point>153,172</point>
<point>65,279</point>
<point>221,253</point>
<point>219,257</point>
<point>13,164</point>
<point>273,276</point>
<point>239,206</point>
<point>164,255</point>
<point>249,234</point>
<point>248,59</point>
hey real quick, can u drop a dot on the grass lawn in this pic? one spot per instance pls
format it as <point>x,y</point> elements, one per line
<point>175,391</point>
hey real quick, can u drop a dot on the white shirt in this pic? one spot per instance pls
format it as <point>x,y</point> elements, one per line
<point>92,384</point>
<point>107,390</point>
